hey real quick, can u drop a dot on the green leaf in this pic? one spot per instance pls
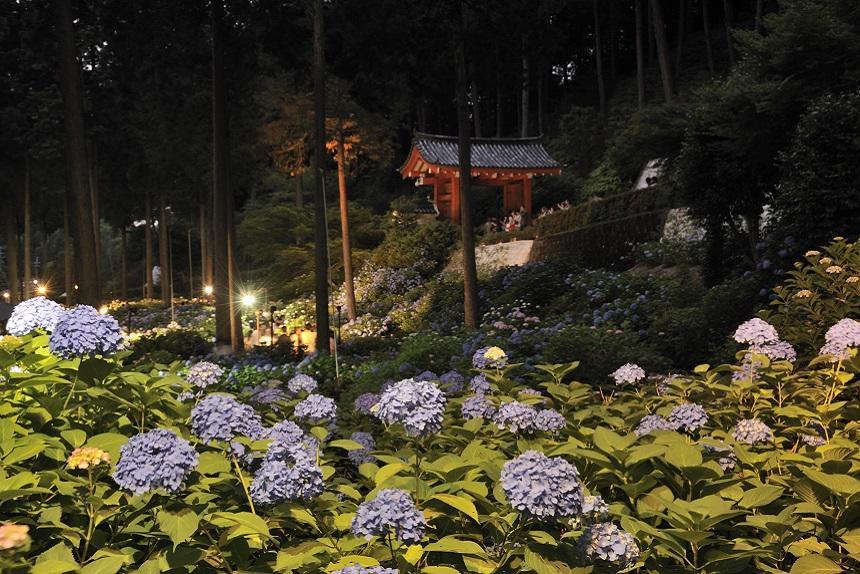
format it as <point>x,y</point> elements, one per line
<point>464,505</point>
<point>439,570</point>
<point>75,437</point>
<point>346,444</point>
<point>456,545</point>
<point>106,565</point>
<point>388,471</point>
<point>179,526</point>
<point>241,524</point>
<point>683,456</point>
<point>815,564</point>
<point>109,442</point>
<point>840,483</point>
<point>212,463</point>
<point>760,496</point>
<point>352,559</point>
<point>53,567</point>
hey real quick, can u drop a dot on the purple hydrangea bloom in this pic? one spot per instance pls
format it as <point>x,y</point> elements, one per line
<point>418,405</point>
<point>651,423</point>
<point>515,416</point>
<point>778,351</point>
<point>185,396</point>
<point>477,407</point>
<point>752,431</point>
<point>480,384</point>
<point>426,376</point>
<point>550,420</point>
<point>813,440</point>
<point>302,383</point>
<point>608,543</point>
<point>285,431</point>
<point>594,509</point>
<point>363,455</point>
<point>628,374</point>
<point>452,381</point>
<point>756,332</point>
<point>489,358</point>
<point>288,473</point>
<point>83,331</point>
<point>726,456</point>
<point>391,511</point>
<point>530,392</point>
<point>222,417</point>
<point>316,408</point>
<point>843,335</point>
<point>541,486</point>
<point>154,460</point>
<point>269,394</point>
<point>687,418</point>
<point>32,314</point>
<point>364,402</point>
<point>359,569</point>
<point>204,374</point>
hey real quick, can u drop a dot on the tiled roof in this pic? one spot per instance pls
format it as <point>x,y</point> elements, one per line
<point>524,153</point>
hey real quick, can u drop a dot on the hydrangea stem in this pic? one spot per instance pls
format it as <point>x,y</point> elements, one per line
<point>244,485</point>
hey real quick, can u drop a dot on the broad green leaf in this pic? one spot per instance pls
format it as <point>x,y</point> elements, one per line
<point>815,564</point>
<point>212,463</point>
<point>74,437</point>
<point>346,444</point>
<point>388,471</point>
<point>53,567</point>
<point>455,545</point>
<point>840,483</point>
<point>106,565</point>
<point>760,496</point>
<point>464,505</point>
<point>683,456</point>
<point>241,524</point>
<point>179,526</point>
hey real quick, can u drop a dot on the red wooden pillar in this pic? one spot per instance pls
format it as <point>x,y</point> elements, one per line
<point>455,199</point>
<point>527,196</point>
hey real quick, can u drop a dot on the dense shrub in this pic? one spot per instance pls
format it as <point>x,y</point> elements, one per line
<point>167,345</point>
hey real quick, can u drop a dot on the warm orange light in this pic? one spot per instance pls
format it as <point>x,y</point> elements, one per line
<point>208,290</point>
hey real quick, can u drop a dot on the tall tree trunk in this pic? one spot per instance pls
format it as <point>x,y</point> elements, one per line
<point>499,94</point>
<point>89,291</point>
<point>682,29</point>
<point>300,189</point>
<point>470,270</point>
<point>662,50</point>
<point>28,243</point>
<point>706,26</point>
<point>68,252</point>
<point>202,231</point>
<point>320,238</point>
<point>11,225</point>
<point>190,266</point>
<point>652,43</point>
<point>729,20</point>
<point>348,282</point>
<point>524,95</point>
<point>237,335</point>
<point>598,58</point>
<point>476,104</point>
<point>613,41</point>
<point>123,281</point>
<point>640,56</point>
<point>164,255</point>
<point>94,198</point>
<point>147,249</point>
<point>541,97</point>
<point>220,184</point>
<point>759,15</point>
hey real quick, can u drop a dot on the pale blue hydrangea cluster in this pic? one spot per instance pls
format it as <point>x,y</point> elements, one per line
<point>550,420</point>
<point>359,569</point>
<point>778,351</point>
<point>360,456</point>
<point>288,472</point>
<point>222,417</point>
<point>83,331</point>
<point>651,423</point>
<point>844,334</point>
<point>541,486</point>
<point>813,440</point>
<point>426,376</point>
<point>418,405</point>
<point>391,511</point>
<point>32,314</point>
<point>154,460</point>
<point>316,408</point>
<point>477,407</point>
<point>628,374</point>
<point>452,382</point>
<point>756,333</point>
<point>752,431</point>
<point>594,509</point>
<point>302,383</point>
<point>204,374</point>
<point>479,384</point>
<point>725,456</point>
<point>606,542</point>
<point>481,360</point>
<point>285,431</point>
<point>268,394</point>
<point>687,418</point>
<point>364,402</point>
<point>515,417</point>
<point>530,392</point>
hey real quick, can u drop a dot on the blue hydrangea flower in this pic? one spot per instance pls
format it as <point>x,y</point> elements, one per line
<point>812,440</point>
<point>550,420</point>
<point>418,405</point>
<point>477,407</point>
<point>154,460</point>
<point>594,509</point>
<point>687,418</point>
<point>359,569</point>
<point>285,431</point>
<point>391,511</point>
<point>426,376</point>
<point>530,392</point>
<point>778,351</point>
<point>608,543</point>
<point>541,486</point>
<point>365,439</point>
<point>204,374</point>
<point>83,331</point>
<point>452,381</point>
<point>222,417</point>
<point>480,384</point>
<point>32,314</point>
<point>268,395</point>
<point>725,456</point>
<point>843,335</point>
<point>489,358</point>
<point>752,431</point>
<point>756,332</point>
<point>651,423</point>
<point>628,374</point>
<point>288,473</point>
<point>364,402</point>
<point>515,416</point>
<point>316,408</point>
<point>302,383</point>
